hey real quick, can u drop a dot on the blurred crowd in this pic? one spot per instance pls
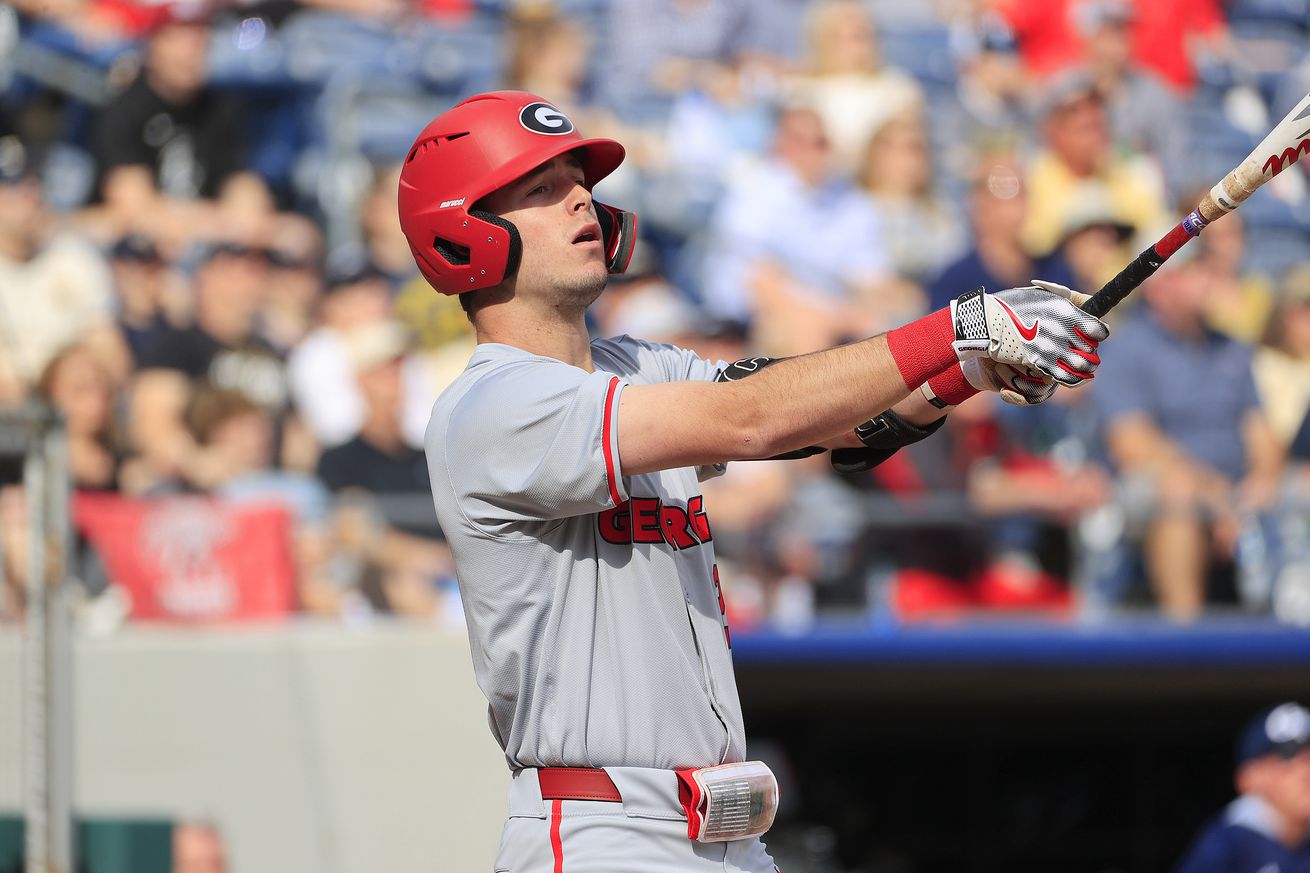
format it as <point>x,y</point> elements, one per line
<point>201,269</point>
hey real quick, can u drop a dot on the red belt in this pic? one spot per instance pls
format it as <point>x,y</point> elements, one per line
<point>576,783</point>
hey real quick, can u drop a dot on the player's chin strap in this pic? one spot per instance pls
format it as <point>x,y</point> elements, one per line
<point>882,435</point>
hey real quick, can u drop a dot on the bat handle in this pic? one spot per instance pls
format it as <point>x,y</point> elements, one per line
<point>1143,266</point>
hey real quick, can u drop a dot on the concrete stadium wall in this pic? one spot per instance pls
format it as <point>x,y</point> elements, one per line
<point>313,748</point>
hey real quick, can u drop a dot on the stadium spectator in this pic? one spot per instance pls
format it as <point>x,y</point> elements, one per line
<point>1034,484</point>
<point>150,296</point>
<point>1078,160</point>
<point>76,384</point>
<point>990,104</point>
<point>547,54</point>
<point>385,247</point>
<point>847,83</point>
<point>1092,241</point>
<point>1146,116</point>
<point>998,205</point>
<point>55,288</point>
<point>295,282</point>
<point>169,148</point>
<point>1282,362</point>
<point>1267,827</point>
<point>239,435</point>
<point>920,231</point>
<point>1185,431</point>
<point>1171,36</point>
<point>1242,299</point>
<point>198,848</point>
<point>795,249</point>
<point>410,553</point>
<point>378,459</point>
<point>322,378</point>
<point>222,348</point>
<point>1166,34</point>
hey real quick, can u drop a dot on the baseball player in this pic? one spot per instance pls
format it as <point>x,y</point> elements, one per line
<point>566,474</point>
<point>1267,828</point>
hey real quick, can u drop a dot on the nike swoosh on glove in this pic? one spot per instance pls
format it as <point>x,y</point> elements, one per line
<point>1037,328</point>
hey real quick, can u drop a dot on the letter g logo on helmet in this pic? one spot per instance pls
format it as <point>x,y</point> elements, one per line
<point>544,118</point>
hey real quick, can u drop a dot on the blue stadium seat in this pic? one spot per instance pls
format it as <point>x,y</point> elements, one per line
<point>1275,249</point>
<point>1294,13</point>
<point>922,50</point>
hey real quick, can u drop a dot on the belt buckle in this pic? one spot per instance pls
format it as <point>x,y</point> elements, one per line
<point>729,801</point>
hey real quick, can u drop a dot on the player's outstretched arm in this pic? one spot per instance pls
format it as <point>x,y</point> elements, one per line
<point>808,399</point>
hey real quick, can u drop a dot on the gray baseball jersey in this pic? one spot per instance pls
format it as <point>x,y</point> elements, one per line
<point>594,611</point>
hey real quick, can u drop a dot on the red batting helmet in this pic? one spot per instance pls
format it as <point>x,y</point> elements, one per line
<point>466,153</point>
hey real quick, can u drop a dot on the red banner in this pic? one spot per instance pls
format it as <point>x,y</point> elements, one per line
<point>187,558</point>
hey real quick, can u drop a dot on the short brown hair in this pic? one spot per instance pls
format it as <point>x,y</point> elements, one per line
<point>211,408</point>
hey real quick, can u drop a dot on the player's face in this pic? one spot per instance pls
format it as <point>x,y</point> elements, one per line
<point>563,253</point>
<point>1285,784</point>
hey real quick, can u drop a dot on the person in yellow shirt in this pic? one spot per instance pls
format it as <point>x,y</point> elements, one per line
<point>1078,162</point>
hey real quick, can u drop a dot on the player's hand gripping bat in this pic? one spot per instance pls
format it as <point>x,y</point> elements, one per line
<point>1279,150</point>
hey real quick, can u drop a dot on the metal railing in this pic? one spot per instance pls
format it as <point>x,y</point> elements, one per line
<point>34,434</point>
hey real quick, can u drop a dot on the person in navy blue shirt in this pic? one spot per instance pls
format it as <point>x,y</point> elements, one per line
<point>998,204</point>
<point>1267,828</point>
<point>1182,423</point>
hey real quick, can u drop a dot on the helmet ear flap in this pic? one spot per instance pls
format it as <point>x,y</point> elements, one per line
<point>618,230</point>
<point>515,243</point>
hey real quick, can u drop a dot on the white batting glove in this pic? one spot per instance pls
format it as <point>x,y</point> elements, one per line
<point>1034,329</point>
<point>1015,386</point>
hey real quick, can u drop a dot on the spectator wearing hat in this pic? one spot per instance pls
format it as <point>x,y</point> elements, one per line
<point>1267,828</point>
<point>1078,160</point>
<point>991,102</point>
<point>322,377</point>
<point>1146,115</point>
<point>1092,242</point>
<point>55,288</point>
<point>151,296</point>
<point>1183,426</point>
<point>380,469</point>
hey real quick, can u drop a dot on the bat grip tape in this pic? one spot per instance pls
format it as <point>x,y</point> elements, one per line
<point>1141,268</point>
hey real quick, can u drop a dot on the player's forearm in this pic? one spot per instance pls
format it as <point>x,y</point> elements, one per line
<point>914,408</point>
<point>788,405</point>
<point>818,398</point>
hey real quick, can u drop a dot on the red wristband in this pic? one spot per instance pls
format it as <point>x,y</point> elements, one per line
<point>951,387</point>
<point>922,348</point>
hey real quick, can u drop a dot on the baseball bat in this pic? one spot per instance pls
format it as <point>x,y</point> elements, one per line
<point>1275,153</point>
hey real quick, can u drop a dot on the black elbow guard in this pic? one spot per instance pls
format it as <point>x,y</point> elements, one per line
<point>883,435</point>
<point>743,368</point>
